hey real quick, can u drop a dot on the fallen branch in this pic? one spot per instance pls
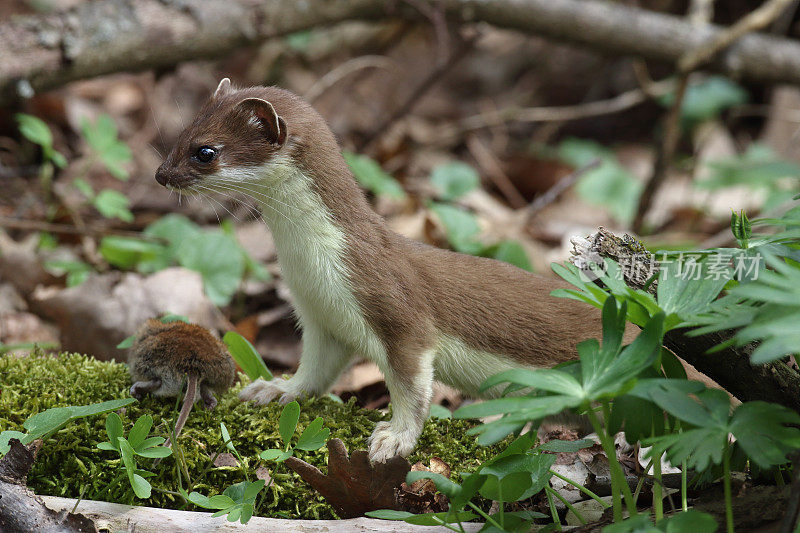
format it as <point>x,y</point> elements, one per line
<point>20,508</point>
<point>119,517</point>
<point>41,52</point>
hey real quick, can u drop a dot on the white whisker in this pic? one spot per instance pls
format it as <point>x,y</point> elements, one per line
<point>236,184</point>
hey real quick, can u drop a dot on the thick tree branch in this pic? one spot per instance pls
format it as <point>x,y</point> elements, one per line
<point>41,52</point>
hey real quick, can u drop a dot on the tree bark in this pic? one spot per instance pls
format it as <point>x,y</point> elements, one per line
<point>41,52</point>
<point>21,509</point>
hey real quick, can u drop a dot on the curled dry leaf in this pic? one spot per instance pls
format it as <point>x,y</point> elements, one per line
<point>353,486</point>
<point>422,496</point>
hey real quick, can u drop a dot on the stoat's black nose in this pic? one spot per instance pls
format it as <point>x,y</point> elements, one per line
<point>161,176</point>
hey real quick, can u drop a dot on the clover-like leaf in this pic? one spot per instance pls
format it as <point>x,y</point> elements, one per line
<point>314,436</point>
<point>287,423</point>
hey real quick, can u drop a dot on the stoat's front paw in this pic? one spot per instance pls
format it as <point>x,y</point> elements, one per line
<point>262,392</point>
<point>386,442</point>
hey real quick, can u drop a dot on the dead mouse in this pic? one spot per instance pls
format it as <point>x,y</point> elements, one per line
<point>163,355</point>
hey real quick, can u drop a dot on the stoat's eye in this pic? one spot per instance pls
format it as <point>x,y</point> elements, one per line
<point>205,154</point>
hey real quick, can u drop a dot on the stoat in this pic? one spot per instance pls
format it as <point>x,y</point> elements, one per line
<point>419,312</point>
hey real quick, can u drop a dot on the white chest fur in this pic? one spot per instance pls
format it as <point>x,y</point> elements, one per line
<point>311,254</point>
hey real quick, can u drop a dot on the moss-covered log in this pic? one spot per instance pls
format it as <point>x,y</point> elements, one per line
<point>70,464</point>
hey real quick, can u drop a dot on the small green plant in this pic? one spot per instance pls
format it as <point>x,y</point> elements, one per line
<point>237,501</point>
<point>372,177</point>
<point>35,130</point>
<point>136,444</point>
<point>246,356</point>
<point>215,254</point>
<point>102,137</point>
<point>312,438</point>
<point>452,181</point>
<point>77,271</point>
<point>45,424</point>
<point>610,186</point>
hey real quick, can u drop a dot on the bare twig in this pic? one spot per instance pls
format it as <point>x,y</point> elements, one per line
<point>422,87</point>
<point>609,106</point>
<point>691,61</point>
<point>344,70</point>
<point>50,227</point>
<point>559,187</point>
<point>489,163</point>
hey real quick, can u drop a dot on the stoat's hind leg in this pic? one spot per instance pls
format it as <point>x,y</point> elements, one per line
<point>322,361</point>
<point>411,390</point>
<point>140,388</point>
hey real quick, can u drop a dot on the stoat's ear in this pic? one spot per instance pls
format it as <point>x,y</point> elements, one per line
<point>223,88</point>
<point>267,118</point>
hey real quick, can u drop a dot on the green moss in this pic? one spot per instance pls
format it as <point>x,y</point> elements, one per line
<point>70,463</point>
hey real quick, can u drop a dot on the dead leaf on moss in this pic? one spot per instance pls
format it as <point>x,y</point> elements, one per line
<point>353,486</point>
<point>422,496</point>
<point>225,459</point>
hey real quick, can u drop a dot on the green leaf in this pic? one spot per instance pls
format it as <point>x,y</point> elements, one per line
<point>175,229</point>
<point>199,499</point>
<point>102,139</point>
<point>443,484</point>
<point>220,501</point>
<point>113,204</point>
<point>460,226</point>
<point>545,379</point>
<point>610,379</point>
<point>533,408</point>
<point>127,252</point>
<point>34,129</point>
<point>152,453</point>
<point>691,520</point>
<point>706,99</point>
<point>47,422</point>
<point>372,177</point>
<point>314,436</point>
<point>6,436</point>
<point>440,411</point>
<point>127,342</point>
<point>172,317</point>
<point>226,438</point>
<point>766,432</point>
<point>510,252</point>
<point>288,421</point>
<point>218,259</point>
<point>610,185</point>
<point>77,271</point>
<point>140,486</point>
<point>453,180</point>
<point>565,446</point>
<point>271,455</point>
<point>246,356</point>
<point>113,430</point>
<point>141,428</point>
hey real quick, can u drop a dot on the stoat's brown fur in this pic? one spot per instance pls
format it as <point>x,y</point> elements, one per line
<point>358,287</point>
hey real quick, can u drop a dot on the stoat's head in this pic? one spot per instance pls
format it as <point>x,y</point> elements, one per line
<point>235,132</point>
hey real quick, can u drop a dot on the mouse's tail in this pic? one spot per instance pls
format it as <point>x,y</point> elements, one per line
<point>188,402</point>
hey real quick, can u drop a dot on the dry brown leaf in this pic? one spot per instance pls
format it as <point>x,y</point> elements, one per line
<point>353,485</point>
